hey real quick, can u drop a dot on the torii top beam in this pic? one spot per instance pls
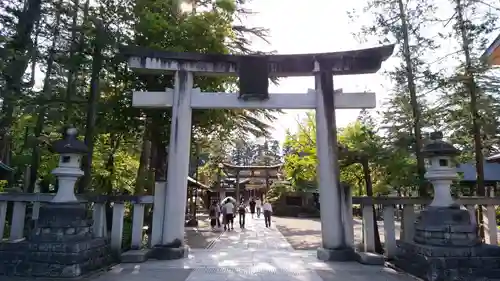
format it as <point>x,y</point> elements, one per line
<point>362,61</point>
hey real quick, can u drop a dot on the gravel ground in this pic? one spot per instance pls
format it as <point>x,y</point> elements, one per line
<point>305,233</point>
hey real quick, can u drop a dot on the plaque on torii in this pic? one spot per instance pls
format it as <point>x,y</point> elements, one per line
<point>253,72</point>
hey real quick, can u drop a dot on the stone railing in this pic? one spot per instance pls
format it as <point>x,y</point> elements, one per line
<point>391,230</point>
<point>19,203</point>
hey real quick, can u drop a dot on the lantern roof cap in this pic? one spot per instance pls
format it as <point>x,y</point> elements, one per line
<point>438,147</point>
<point>70,144</point>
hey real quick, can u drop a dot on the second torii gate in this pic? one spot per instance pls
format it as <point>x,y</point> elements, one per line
<point>168,222</point>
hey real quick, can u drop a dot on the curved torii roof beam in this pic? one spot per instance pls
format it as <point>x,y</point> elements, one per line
<point>350,62</point>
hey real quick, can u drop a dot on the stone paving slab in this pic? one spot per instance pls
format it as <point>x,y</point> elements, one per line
<point>305,233</point>
<point>252,254</point>
<point>137,273</point>
<point>202,236</point>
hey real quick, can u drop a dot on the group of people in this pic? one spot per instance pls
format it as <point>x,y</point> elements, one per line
<point>227,210</point>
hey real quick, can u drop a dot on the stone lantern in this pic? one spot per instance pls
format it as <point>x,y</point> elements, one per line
<point>61,243</point>
<point>71,150</point>
<point>64,218</point>
<point>441,171</point>
<point>446,245</point>
<point>443,223</point>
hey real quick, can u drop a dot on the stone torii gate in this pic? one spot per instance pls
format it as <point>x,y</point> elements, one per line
<point>253,71</point>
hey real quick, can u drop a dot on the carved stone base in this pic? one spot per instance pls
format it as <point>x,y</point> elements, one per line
<point>161,252</point>
<point>53,259</point>
<point>60,245</point>
<point>370,258</point>
<point>433,263</point>
<point>344,254</point>
<point>135,256</point>
<point>62,222</point>
<point>446,226</point>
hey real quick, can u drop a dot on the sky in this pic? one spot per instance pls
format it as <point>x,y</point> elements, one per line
<point>312,26</point>
<point>309,27</point>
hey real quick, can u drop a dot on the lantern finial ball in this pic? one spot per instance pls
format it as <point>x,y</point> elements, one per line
<point>71,131</point>
<point>438,135</point>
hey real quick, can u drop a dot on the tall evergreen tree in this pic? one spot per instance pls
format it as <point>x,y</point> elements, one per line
<point>403,21</point>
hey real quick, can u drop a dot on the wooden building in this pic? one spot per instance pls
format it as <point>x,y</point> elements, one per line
<point>492,54</point>
<point>467,172</point>
<point>245,182</point>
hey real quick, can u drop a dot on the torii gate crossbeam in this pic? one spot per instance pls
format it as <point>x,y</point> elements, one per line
<point>230,100</point>
<point>168,224</point>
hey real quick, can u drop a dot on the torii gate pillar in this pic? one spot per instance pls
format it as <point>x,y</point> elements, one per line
<point>168,237</point>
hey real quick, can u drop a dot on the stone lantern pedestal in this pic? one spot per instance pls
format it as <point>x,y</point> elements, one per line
<point>61,243</point>
<point>446,246</point>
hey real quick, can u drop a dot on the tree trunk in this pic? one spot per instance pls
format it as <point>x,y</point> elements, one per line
<point>110,168</point>
<point>20,45</point>
<point>470,85</point>
<point>142,172</point>
<point>196,167</point>
<point>158,151</point>
<point>115,142</point>
<point>369,193</point>
<point>34,56</point>
<point>42,109</point>
<point>238,200</point>
<point>94,93</point>
<point>75,53</point>
<point>414,101</point>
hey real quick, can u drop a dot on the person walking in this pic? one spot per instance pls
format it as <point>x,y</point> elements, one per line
<point>252,206</point>
<point>268,210</point>
<point>219,211</point>
<point>258,206</point>
<point>241,212</point>
<point>223,213</point>
<point>229,215</point>
<point>213,214</point>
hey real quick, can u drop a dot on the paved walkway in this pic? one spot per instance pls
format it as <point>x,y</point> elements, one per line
<point>305,233</point>
<point>253,254</point>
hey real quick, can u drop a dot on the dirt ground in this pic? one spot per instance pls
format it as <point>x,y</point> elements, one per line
<point>305,233</point>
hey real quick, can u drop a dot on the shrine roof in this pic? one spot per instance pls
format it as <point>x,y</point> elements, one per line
<point>494,158</point>
<point>192,181</point>
<point>250,168</point>
<point>492,54</point>
<point>468,171</point>
<point>5,167</point>
<point>233,180</point>
<point>350,62</point>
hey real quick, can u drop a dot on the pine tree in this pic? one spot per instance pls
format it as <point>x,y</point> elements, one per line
<point>403,21</point>
<point>471,104</point>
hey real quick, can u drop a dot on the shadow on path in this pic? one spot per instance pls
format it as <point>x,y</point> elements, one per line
<point>201,237</point>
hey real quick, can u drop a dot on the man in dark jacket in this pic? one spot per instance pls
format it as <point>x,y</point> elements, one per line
<point>242,211</point>
<point>252,207</point>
